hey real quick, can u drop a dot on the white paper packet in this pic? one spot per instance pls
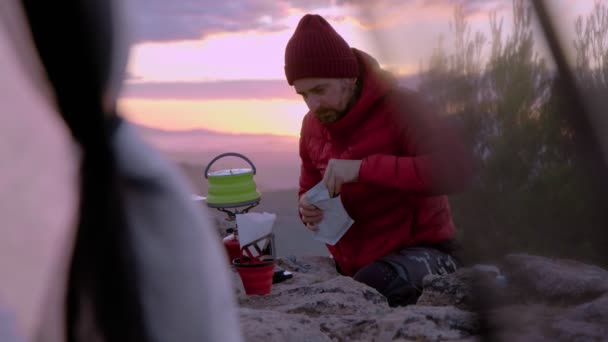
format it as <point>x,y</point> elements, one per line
<point>336,220</point>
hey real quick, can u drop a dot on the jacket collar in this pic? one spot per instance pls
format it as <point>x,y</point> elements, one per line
<point>374,83</point>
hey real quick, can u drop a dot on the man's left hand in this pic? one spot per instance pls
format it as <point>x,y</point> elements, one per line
<point>338,172</point>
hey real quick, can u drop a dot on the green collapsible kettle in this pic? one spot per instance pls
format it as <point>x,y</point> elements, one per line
<point>232,187</point>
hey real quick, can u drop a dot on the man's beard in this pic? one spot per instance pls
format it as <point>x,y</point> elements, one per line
<point>326,115</point>
<point>329,115</point>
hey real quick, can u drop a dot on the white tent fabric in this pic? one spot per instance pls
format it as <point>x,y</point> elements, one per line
<point>186,288</point>
<point>38,186</point>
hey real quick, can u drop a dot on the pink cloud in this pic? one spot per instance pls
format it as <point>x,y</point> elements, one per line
<point>161,20</point>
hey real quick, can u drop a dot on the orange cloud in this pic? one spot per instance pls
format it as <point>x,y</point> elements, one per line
<point>282,117</point>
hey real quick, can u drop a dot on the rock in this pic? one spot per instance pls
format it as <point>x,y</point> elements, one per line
<point>322,267</point>
<point>593,312</point>
<point>409,323</point>
<point>318,304</point>
<point>433,323</point>
<point>270,325</point>
<point>555,281</point>
<point>337,296</point>
<point>542,300</point>
<point>588,321</point>
<point>317,293</point>
<point>487,269</point>
<point>520,322</point>
<point>542,322</point>
<point>460,289</point>
<point>453,289</point>
<point>551,299</point>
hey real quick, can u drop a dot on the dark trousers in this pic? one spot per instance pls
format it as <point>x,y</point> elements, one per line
<point>398,276</point>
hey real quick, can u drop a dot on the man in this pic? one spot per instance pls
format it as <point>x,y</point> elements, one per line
<point>391,161</point>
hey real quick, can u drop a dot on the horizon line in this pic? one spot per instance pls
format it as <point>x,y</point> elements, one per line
<point>203,130</point>
<point>218,90</point>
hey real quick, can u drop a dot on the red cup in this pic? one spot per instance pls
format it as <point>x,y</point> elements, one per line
<point>256,275</point>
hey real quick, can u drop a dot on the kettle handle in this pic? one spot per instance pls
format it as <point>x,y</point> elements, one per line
<point>229,154</point>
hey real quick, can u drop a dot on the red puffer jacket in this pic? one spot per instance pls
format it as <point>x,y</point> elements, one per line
<point>410,161</point>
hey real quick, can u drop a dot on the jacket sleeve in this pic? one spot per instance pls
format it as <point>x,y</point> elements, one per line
<point>435,161</point>
<point>309,174</point>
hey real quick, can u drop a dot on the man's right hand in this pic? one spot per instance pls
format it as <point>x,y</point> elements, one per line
<point>311,215</point>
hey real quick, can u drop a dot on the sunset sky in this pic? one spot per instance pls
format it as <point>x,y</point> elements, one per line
<point>218,65</point>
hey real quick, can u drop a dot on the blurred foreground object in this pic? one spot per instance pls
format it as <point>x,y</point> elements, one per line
<point>103,242</point>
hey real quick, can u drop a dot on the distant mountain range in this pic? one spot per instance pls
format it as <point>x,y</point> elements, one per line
<point>231,89</point>
<point>200,132</point>
<point>275,157</point>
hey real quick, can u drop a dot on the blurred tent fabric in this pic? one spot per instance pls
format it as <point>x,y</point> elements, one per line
<point>38,183</point>
<point>57,263</point>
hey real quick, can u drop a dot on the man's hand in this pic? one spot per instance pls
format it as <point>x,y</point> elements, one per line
<point>338,172</point>
<point>311,215</point>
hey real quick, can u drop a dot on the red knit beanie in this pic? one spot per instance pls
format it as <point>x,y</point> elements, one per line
<point>317,50</point>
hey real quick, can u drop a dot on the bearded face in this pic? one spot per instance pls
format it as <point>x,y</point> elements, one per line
<point>328,98</point>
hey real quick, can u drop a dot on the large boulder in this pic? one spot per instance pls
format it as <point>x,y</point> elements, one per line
<point>555,281</point>
<point>550,300</point>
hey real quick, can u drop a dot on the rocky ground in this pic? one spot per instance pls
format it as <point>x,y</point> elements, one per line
<point>532,299</point>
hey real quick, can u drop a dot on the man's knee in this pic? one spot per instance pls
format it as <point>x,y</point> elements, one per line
<point>399,276</point>
<point>386,280</point>
<point>378,275</point>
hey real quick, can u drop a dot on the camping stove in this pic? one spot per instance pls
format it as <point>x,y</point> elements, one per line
<point>234,192</point>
